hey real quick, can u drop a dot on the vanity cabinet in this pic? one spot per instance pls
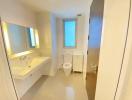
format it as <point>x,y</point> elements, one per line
<point>24,85</point>
<point>25,81</point>
<point>78,63</point>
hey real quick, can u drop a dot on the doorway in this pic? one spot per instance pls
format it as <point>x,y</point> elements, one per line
<point>94,40</point>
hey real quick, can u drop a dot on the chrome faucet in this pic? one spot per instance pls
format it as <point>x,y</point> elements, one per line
<point>23,57</point>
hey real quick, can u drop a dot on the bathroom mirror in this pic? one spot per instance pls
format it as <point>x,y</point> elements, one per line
<point>18,38</point>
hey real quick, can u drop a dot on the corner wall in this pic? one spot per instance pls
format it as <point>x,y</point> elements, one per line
<point>44,28</point>
<point>54,45</point>
<point>46,23</point>
<point>126,92</point>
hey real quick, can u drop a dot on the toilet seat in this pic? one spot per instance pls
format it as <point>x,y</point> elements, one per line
<point>67,65</point>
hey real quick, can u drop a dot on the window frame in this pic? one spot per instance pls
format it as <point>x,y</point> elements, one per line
<point>70,19</point>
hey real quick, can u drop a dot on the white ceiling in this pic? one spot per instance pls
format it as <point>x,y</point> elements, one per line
<point>64,8</point>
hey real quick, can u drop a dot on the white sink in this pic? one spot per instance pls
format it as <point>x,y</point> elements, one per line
<point>25,71</point>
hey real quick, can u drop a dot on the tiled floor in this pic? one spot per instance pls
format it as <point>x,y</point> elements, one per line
<point>58,87</point>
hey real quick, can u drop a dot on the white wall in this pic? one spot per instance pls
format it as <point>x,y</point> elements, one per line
<point>124,88</point>
<point>85,45</point>
<point>81,35</point>
<point>116,14</point>
<point>54,45</point>
<point>14,12</point>
<point>44,28</point>
<point>82,40</point>
<point>59,27</point>
<point>46,23</point>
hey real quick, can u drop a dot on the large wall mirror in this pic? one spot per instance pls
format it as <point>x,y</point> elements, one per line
<point>19,39</point>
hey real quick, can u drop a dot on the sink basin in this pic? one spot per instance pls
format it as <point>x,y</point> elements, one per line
<point>23,72</point>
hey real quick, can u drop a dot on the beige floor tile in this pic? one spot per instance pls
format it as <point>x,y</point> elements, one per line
<point>58,87</point>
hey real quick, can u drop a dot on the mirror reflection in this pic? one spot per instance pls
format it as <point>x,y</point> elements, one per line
<point>19,38</point>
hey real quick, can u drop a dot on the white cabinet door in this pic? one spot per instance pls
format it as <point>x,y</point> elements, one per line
<point>24,85</point>
<point>78,63</point>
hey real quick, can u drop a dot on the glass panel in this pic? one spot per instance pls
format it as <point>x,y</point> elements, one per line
<point>70,33</point>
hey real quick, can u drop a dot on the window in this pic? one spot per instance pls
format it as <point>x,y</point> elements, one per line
<point>70,33</point>
<point>32,39</point>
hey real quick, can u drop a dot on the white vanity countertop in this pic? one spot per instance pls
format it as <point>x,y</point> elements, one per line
<point>23,72</point>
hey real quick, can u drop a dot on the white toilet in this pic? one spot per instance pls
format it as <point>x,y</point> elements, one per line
<point>67,65</point>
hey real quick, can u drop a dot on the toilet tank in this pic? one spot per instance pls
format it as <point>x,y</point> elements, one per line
<point>67,58</point>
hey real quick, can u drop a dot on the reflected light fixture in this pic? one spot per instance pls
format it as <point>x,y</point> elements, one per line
<point>37,38</point>
<point>6,38</point>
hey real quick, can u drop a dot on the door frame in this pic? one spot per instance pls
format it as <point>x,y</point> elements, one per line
<point>8,69</point>
<point>125,61</point>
